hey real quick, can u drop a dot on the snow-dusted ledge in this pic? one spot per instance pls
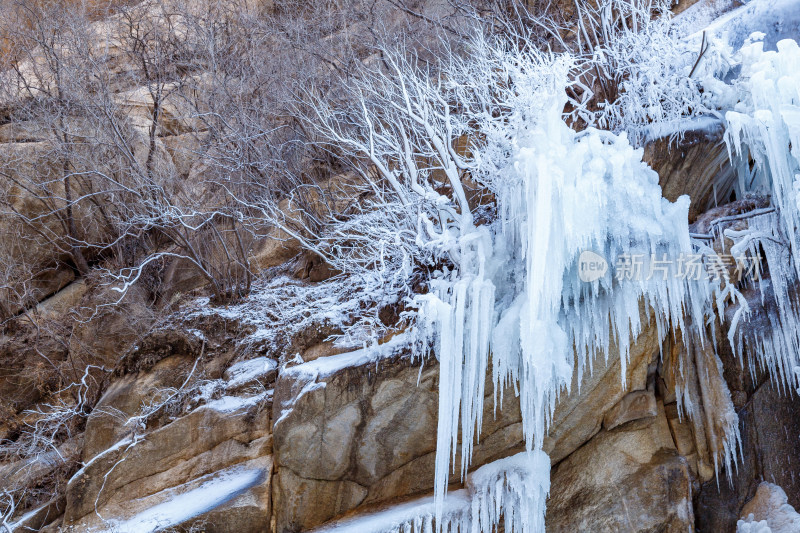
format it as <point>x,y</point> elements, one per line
<point>180,505</point>
<point>306,376</point>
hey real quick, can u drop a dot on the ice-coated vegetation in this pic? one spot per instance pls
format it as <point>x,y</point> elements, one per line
<point>763,137</point>
<point>505,293</point>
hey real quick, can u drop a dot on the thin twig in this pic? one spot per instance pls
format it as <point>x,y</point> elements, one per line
<point>703,49</point>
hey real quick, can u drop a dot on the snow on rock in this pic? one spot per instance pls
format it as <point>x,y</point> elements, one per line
<point>126,442</point>
<point>769,512</point>
<point>413,517</point>
<point>21,524</point>
<point>249,371</point>
<point>218,489</point>
<point>779,18</point>
<point>710,127</point>
<point>231,404</point>
<point>327,366</point>
<point>307,377</point>
<point>514,489</point>
<point>749,526</point>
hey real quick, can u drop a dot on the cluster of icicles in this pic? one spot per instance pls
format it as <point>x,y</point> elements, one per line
<point>517,299</point>
<point>513,490</point>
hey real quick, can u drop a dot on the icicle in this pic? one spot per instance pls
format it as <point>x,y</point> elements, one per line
<point>765,125</point>
<point>513,489</point>
<point>560,194</point>
<point>458,316</point>
<point>516,289</point>
<point>773,344</point>
<point>587,191</point>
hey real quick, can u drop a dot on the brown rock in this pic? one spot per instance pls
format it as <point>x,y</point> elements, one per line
<point>185,149</point>
<point>302,504</point>
<point>370,430</point>
<point>634,406</point>
<point>125,398</point>
<point>681,431</point>
<point>323,349</point>
<point>579,414</point>
<point>770,451</point>
<point>242,505</point>
<point>622,480</point>
<point>62,302</point>
<point>697,165</point>
<point>198,444</point>
<point>249,512</point>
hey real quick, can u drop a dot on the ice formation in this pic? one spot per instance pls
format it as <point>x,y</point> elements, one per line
<point>215,490</point>
<point>513,489</point>
<point>763,138</point>
<point>516,294</point>
<point>765,127</point>
<point>769,512</point>
<point>775,346</point>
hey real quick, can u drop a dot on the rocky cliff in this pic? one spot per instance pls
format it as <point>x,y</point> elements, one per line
<point>176,410</point>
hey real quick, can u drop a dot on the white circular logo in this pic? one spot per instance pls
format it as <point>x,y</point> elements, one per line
<point>591,266</point>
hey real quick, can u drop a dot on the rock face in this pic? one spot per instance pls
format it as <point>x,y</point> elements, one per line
<point>182,437</point>
<point>579,415</point>
<point>346,433</point>
<point>132,471</point>
<point>696,165</point>
<point>768,420</point>
<point>366,433</point>
<point>630,478</point>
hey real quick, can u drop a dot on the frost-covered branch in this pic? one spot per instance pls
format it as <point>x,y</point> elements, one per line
<point>8,506</point>
<point>52,423</point>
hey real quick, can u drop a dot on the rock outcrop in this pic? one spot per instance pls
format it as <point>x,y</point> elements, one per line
<point>198,424</point>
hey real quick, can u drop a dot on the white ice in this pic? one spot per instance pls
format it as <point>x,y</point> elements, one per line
<point>219,489</point>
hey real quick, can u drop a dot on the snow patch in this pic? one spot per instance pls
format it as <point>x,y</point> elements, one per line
<point>327,366</point>
<point>231,404</point>
<point>180,507</point>
<point>248,371</point>
<point>306,376</point>
<point>127,441</point>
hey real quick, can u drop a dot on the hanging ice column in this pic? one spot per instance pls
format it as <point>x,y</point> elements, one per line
<point>764,128</point>
<point>517,293</point>
<point>567,193</point>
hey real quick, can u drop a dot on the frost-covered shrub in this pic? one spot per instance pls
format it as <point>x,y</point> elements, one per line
<point>638,73</point>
